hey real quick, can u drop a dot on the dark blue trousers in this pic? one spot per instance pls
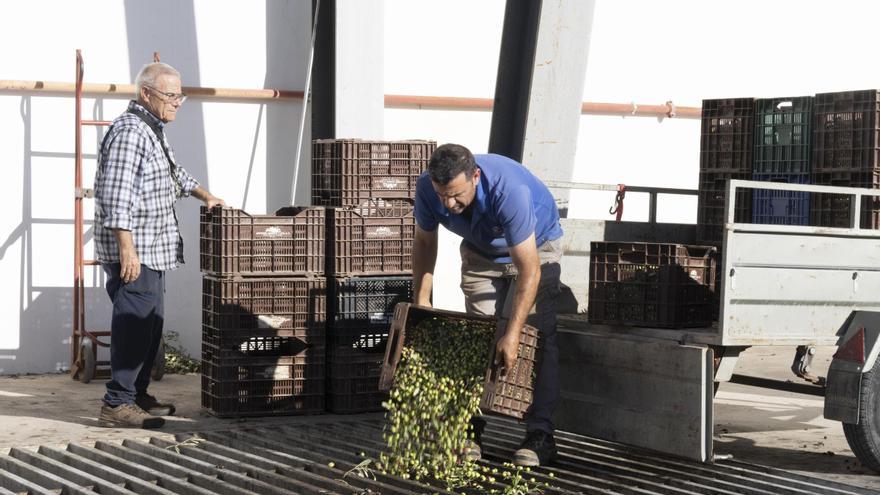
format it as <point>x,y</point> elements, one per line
<point>135,331</point>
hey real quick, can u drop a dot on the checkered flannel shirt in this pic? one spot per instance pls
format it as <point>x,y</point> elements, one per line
<point>134,191</point>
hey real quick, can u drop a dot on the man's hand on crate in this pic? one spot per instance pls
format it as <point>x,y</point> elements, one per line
<point>506,351</point>
<point>209,199</point>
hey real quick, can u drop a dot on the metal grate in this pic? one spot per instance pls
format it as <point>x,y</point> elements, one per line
<point>296,459</point>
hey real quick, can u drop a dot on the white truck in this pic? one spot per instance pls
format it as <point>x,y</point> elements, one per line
<point>781,285</point>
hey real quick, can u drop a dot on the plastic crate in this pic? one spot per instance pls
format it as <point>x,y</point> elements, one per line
<point>257,346</point>
<point>654,285</point>
<point>262,388</point>
<point>347,172</point>
<point>308,364</point>
<point>225,337</point>
<point>845,132</point>
<point>236,407</point>
<point>783,130</point>
<point>361,301</point>
<point>290,306</point>
<point>359,243</point>
<point>510,395</point>
<point>781,207</point>
<point>291,242</point>
<point>833,210</point>
<point>711,214</point>
<point>727,135</point>
<point>356,403</point>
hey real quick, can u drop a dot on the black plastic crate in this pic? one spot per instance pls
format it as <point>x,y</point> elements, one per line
<point>225,337</point>
<point>363,301</point>
<point>347,172</point>
<point>370,241</point>
<point>234,242</point>
<point>655,285</point>
<point>781,207</point>
<point>354,358</point>
<point>783,131</point>
<point>727,135</point>
<point>236,407</point>
<point>833,210</point>
<point>292,306</point>
<point>257,346</point>
<point>711,214</point>
<point>846,132</point>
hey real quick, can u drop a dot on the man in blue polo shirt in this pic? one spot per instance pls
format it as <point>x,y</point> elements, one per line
<point>510,251</point>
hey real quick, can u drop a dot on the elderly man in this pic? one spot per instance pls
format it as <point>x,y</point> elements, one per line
<point>138,240</point>
<point>510,256</point>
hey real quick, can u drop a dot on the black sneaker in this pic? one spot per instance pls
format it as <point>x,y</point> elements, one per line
<point>473,448</point>
<point>537,449</point>
<point>150,404</point>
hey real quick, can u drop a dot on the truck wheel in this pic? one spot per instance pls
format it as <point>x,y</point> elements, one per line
<point>864,438</point>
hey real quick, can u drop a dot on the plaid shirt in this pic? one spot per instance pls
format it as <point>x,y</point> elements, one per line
<point>134,191</point>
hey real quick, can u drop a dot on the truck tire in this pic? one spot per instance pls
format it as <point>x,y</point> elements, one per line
<point>864,438</point>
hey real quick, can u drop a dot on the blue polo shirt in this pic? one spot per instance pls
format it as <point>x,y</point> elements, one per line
<point>510,204</point>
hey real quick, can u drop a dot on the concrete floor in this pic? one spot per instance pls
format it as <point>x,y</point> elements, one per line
<point>779,429</point>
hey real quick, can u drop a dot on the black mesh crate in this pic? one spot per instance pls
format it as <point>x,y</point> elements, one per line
<point>372,240</point>
<point>291,242</point>
<point>655,285</point>
<point>287,306</point>
<point>354,358</point>
<point>365,301</point>
<point>711,214</point>
<point>727,135</point>
<point>262,388</point>
<point>347,172</point>
<point>270,405</point>
<point>781,207</point>
<point>845,132</point>
<point>833,210</point>
<point>783,131</point>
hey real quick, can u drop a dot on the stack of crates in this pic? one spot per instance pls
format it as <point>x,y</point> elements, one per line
<point>846,153</point>
<point>367,188</point>
<point>263,312</point>
<point>783,128</point>
<point>726,147</point>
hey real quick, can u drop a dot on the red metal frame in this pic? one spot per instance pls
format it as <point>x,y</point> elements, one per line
<point>77,368</point>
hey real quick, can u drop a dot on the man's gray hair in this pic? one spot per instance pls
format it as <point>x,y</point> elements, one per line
<point>150,72</point>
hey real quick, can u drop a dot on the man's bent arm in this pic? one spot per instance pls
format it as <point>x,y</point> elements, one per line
<point>209,199</point>
<point>528,266</point>
<point>424,257</point>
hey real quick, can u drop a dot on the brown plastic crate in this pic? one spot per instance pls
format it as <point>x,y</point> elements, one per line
<point>236,407</point>
<point>294,306</point>
<point>347,172</point>
<point>846,132</point>
<point>291,242</point>
<point>647,284</point>
<point>226,337</point>
<point>262,388</point>
<point>308,364</point>
<point>360,244</point>
<point>256,347</point>
<point>510,395</point>
<point>727,135</point>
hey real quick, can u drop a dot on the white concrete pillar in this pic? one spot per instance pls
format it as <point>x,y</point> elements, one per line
<point>360,98</point>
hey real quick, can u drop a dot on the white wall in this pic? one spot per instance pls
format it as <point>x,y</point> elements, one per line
<point>641,50</point>
<point>241,151</point>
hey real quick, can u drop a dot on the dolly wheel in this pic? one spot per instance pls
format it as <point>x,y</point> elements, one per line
<point>89,359</point>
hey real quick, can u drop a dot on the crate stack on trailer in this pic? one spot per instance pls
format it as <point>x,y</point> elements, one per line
<point>263,311</point>
<point>367,188</point>
<point>846,152</point>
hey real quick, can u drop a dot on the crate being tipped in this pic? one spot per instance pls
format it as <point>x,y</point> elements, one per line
<point>508,395</point>
<point>649,284</point>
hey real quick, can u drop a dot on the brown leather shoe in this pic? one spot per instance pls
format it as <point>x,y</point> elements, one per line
<point>128,416</point>
<point>152,405</point>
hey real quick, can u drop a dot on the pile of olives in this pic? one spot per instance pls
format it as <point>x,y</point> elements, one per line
<point>437,390</point>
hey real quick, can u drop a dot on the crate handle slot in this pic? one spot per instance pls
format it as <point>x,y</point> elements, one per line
<point>784,105</point>
<point>633,256</point>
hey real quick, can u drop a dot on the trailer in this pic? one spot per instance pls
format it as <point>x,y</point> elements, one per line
<point>781,285</point>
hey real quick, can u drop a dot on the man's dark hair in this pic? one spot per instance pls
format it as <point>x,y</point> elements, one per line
<point>448,161</point>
